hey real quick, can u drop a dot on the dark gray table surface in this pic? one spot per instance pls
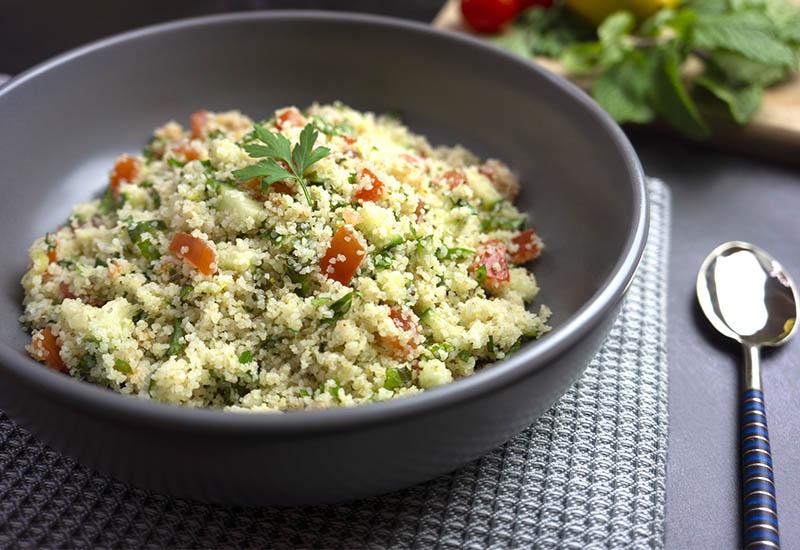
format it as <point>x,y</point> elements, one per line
<point>716,197</point>
<point>719,197</point>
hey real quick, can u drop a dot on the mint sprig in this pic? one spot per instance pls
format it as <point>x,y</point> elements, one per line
<point>682,66</point>
<point>274,149</point>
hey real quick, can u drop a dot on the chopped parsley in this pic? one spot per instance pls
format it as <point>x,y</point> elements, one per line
<point>393,380</point>
<point>123,366</point>
<point>303,282</point>
<point>440,350</point>
<point>136,232</point>
<point>493,222</point>
<point>149,151</point>
<point>185,291</point>
<point>175,344</point>
<point>86,364</point>
<point>246,357</point>
<point>274,236</point>
<point>330,130</point>
<point>447,253</point>
<point>340,308</point>
<point>481,274</point>
<point>383,259</point>
<point>110,202</point>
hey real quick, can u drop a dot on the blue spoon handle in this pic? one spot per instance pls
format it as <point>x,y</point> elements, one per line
<point>758,483</point>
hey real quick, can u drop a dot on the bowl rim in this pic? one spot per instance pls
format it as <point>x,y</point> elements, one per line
<point>126,410</point>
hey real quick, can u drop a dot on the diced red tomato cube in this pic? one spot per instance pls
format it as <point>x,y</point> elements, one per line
<point>196,252</point>
<point>289,118</point>
<point>402,346</point>
<point>343,257</point>
<point>45,347</point>
<point>126,169</point>
<point>490,265</point>
<point>452,179</point>
<point>198,123</point>
<point>373,190</point>
<point>528,247</point>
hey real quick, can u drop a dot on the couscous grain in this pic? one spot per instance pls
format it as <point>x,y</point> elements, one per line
<point>323,258</point>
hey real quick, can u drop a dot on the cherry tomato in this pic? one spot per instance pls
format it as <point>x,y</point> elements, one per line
<point>489,15</point>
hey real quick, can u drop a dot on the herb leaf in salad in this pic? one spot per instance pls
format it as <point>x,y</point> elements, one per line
<point>688,66</point>
<point>279,160</point>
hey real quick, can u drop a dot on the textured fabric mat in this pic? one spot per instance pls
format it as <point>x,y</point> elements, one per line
<point>588,474</point>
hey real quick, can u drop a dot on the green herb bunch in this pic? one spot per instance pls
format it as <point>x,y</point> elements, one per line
<point>279,160</point>
<point>685,66</point>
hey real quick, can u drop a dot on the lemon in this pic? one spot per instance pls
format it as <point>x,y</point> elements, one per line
<point>597,10</point>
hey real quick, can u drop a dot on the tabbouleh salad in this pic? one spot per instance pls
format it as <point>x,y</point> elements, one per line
<point>325,257</point>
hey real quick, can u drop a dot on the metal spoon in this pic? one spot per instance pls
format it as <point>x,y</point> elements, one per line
<point>748,296</point>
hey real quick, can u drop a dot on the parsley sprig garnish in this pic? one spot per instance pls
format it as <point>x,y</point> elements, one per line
<point>274,149</point>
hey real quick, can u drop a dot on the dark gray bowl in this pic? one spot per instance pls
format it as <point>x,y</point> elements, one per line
<point>62,123</point>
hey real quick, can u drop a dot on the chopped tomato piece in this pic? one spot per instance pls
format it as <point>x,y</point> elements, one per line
<point>52,253</point>
<point>490,266</point>
<point>254,187</point>
<point>187,151</point>
<point>420,210</point>
<point>126,169</point>
<point>45,348</point>
<point>280,187</point>
<point>198,122</point>
<point>65,290</point>
<point>453,178</point>
<point>350,140</point>
<point>489,16</point>
<point>373,190</point>
<point>405,345</point>
<point>501,177</point>
<point>288,118</point>
<point>345,253</point>
<point>197,252</point>
<point>528,247</point>
<point>411,159</point>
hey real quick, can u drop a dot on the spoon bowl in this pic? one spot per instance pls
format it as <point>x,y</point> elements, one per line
<point>749,297</point>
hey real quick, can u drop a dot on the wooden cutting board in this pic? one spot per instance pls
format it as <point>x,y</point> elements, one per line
<point>774,132</point>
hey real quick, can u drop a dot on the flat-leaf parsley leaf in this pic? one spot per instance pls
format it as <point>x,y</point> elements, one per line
<point>280,160</point>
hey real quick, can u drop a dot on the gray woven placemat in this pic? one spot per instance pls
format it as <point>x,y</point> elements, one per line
<point>588,474</point>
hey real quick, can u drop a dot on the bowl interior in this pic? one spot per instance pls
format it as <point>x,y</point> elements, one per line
<point>62,129</point>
